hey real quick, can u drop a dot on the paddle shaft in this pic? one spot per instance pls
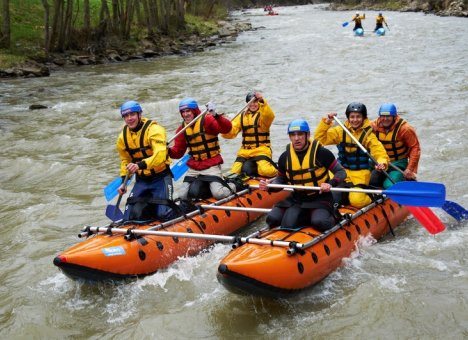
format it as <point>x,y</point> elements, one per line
<point>361,146</point>
<point>120,195</point>
<point>244,108</point>
<point>230,208</point>
<point>209,237</point>
<point>301,187</point>
<point>187,126</point>
<point>202,114</point>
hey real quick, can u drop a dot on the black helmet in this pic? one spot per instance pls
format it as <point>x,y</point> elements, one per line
<point>356,107</point>
<point>249,96</point>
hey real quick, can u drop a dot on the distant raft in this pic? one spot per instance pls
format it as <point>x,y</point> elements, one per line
<point>281,271</point>
<point>108,256</point>
<point>359,32</point>
<point>380,31</point>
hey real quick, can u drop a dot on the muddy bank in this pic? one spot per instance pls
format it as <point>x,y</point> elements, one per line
<point>147,49</point>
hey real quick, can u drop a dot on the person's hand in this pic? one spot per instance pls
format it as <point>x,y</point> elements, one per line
<point>410,175</point>
<point>263,184</point>
<point>325,187</point>
<point>211,107</point>
<point>330,116</point>
<point>259,96</point>
<point>132,168</point>
<point>122,189</point>
<point>380,166</point>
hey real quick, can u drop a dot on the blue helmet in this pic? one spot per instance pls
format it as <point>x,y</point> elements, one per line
<point>129,107</point>
<point>388,109</point>
<point>188,103</point>
<point>298,125</point>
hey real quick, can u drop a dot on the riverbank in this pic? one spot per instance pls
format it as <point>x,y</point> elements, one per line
<point>228,30</point>
<point>456,8</point>
<point>148,48</point>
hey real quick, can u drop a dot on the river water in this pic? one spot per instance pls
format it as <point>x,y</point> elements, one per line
<point>54,164</point>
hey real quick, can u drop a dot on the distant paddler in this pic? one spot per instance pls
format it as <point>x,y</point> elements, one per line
<point>379,22</point>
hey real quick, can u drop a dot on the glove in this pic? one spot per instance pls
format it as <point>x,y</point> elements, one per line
<point>211,107</point>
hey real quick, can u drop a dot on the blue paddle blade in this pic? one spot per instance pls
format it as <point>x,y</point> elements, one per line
<point>110,191</point>
<point>114,213</point>
<point>417,194</point>
<point>345,24</point>
<point>180,168</point>
<point>455,210</point>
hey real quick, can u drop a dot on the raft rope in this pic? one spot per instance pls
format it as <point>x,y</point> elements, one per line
<point>388,220</point>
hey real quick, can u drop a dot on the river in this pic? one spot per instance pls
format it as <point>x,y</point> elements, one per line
<point>55,163</point>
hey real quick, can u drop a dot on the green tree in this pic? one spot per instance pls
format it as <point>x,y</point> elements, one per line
<point>5,35</point>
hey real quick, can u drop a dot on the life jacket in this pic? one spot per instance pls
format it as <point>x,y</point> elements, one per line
<point>310,172</point>
<point>201,145</point>
<point>251,135</point>
<point>350,155</point>
<point>139,148</point>
<point>396,150</point>
<point>379,20</point>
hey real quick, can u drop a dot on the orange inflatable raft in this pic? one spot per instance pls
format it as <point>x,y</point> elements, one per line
<point>298,259</point>
<point>111,254</point>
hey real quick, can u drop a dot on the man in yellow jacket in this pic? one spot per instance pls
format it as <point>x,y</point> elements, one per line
<point>351,157</point>
<point>142,149</point>
<point>379,22</point>
<point>358,20</point>
<point>255,156</point>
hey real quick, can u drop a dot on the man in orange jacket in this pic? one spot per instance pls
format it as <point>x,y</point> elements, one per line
<point>401,143</point>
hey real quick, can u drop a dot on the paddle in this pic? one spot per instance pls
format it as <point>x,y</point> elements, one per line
<point>110,191</point>
<point>113,211</point>
<point>187,126</point>
<point>244,108</point>
<point>346,23</point>
<point>418,194</point>
<point>426,217</point>
<point>178,170</point>
<point>453,209</point>
<point>181,167</point>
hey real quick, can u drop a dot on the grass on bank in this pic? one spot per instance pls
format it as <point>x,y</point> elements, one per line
<point>27,29</point>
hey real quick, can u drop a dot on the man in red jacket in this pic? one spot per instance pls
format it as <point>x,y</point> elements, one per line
<point>204,178</point>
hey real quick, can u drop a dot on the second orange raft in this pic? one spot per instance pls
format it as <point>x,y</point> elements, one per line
<point>304,256</point>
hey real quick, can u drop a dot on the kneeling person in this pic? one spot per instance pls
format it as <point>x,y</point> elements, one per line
<point>305,162</point>
<point>142,149</point>
<point>204,178</point>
